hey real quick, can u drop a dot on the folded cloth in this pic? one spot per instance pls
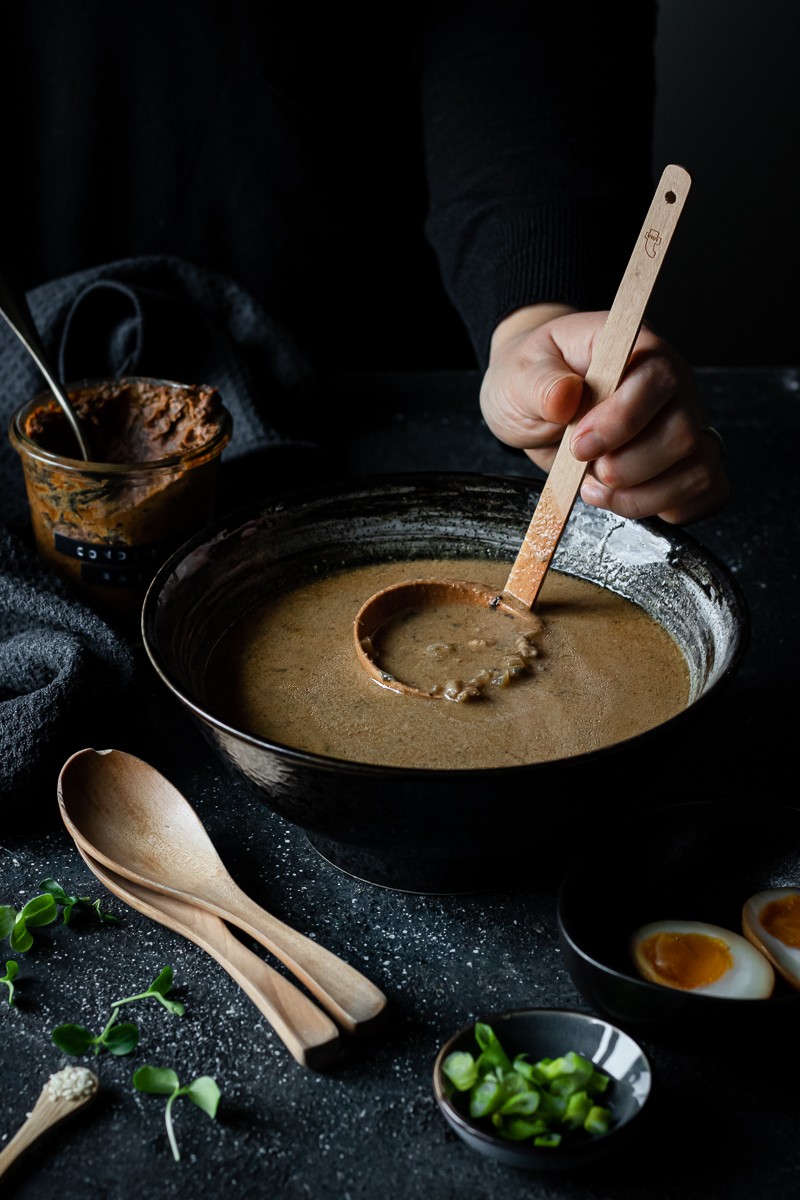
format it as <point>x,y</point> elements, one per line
<point>169,319</point>
<point>159,317</point>
<point>61,670</point>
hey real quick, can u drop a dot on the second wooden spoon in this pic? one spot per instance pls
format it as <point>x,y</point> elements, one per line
<point>307,1032</point>
<point>127,816</point>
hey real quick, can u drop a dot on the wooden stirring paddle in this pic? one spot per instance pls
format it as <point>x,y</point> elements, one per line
<point>606,369</point>
<point>610,357</point>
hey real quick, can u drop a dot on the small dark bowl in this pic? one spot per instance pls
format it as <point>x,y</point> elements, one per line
<point>549,1032</point>
<point>424,830</point>
<point>697,861</point>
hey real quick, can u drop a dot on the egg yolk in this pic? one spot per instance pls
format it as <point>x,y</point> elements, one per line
<point>781,918</point>
<point>687,960</point>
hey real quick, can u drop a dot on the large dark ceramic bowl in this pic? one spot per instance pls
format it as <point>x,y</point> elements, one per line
<point>698,861</point>
<point>420,829</point>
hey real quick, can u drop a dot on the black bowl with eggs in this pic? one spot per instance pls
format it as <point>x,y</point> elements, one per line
<point>701,863</point>
<point>420,829</point>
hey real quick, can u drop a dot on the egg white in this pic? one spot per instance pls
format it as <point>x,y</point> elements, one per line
<point>785,959</point>
<point>751,976</point>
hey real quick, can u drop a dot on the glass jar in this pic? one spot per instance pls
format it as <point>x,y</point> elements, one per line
<point>106,527</point>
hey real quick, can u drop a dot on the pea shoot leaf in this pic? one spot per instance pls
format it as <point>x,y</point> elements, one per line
<point>8,916</point>
<point>20,939</point>
<point>204,1092</point>
<point>8,979</point>
<point>156,1080</point>
<point>41,910</point>
<point>52,887</point>
<point>72,1039</point>
<point>122,1039</point>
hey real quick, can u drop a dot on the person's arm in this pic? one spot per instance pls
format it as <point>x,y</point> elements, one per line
<point>538,122</point>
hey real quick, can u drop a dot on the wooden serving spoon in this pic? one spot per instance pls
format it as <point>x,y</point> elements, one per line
<point>308,1033</point>
<point>125,815</point>
<point>64,1094</point>
<point>610,357</point>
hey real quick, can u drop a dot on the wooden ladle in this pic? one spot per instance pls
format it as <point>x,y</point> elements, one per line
<point>306,1031</point>
<point>610,357</point>
<point>127,816</point>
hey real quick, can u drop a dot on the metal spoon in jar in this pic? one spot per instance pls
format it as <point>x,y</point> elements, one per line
<point>14,309</point>
<point>393,604</point>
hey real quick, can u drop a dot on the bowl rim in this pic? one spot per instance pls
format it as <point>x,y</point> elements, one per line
<point>523,1150</point>
<point>341,486</point>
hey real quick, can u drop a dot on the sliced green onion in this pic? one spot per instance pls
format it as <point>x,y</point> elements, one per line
<point>522,1100</point>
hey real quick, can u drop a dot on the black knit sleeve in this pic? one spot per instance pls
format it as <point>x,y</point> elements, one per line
<point>537,124</point>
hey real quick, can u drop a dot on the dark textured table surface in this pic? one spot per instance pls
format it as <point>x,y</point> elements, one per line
<point>369,1126</point>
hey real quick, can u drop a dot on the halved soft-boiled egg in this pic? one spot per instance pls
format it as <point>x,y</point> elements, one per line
<point>704,959</point>
<point>771,921</point>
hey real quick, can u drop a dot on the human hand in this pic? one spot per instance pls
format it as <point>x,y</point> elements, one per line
<point>648,445</point>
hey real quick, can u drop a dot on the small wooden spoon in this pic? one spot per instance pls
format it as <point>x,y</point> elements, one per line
<point>610,357</point>
<point>127,816</point>
<point>308,1033</point>
<point>62,1096</point>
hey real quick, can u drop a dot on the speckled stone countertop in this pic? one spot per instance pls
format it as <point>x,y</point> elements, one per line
<point>722,1125</point>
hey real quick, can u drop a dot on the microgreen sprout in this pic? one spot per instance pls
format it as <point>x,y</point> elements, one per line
<point>522,1100</point>
<point>16,926</point>
<point>117,1039</point>
<point>8,916</point>
<point>43,910</point>
<point>158,990</point>
<point>12,968</point>
<point>202,1091</point>
<point>122,1038</point>
<point>71,903</point>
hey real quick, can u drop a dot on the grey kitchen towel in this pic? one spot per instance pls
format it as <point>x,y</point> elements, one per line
<point>60,662</point>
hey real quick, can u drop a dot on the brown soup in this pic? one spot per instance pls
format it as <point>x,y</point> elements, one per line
<point>603,671</point>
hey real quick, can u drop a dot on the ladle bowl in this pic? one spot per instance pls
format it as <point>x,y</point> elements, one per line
<point>391,603</point>
<point>429,830</point>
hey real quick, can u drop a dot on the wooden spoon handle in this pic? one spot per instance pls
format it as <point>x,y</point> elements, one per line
<point>608,363</point>
<point>25,1136</point>
<point>352,999</point>
<point>307,1032</point>
<point>114,807</point>
<point>45,1114</point>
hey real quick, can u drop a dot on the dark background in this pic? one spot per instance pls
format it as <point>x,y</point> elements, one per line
<point>727,109</point>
